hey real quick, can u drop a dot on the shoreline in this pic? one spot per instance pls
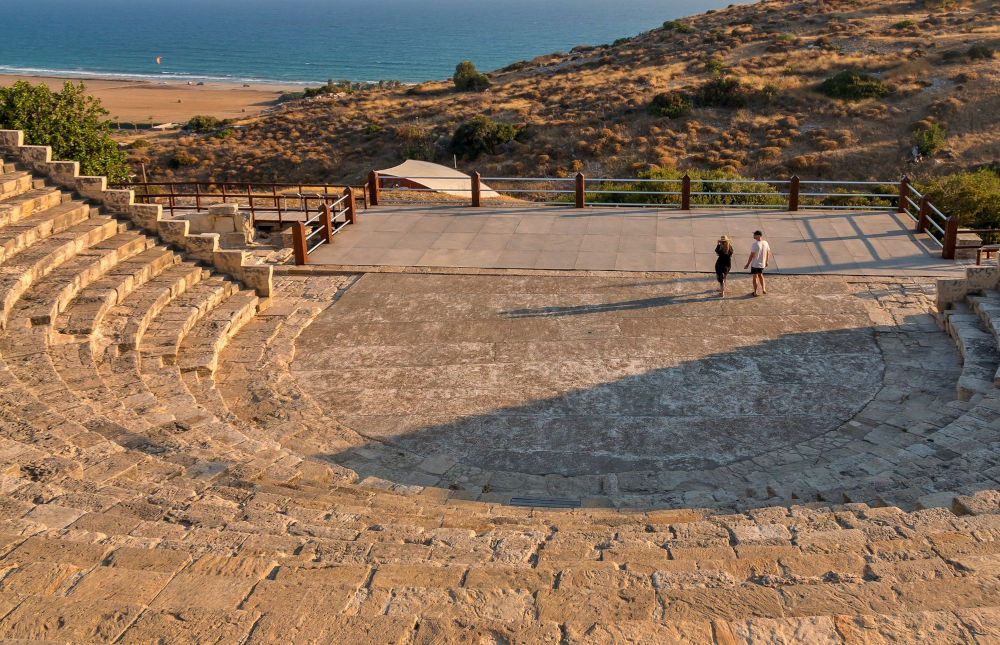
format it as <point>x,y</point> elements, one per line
<point>135,100</point>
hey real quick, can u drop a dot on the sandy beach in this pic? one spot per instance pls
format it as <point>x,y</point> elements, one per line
<point>132,100</point>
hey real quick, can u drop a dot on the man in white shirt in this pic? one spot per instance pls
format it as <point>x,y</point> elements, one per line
<point>760,257</point>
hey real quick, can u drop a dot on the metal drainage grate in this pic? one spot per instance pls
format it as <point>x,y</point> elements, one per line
<point>546,502</point>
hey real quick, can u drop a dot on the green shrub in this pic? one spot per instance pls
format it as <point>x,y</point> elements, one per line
<point>973,197</point>
<point>905,24</point>
<point>851,85</point>
<point>69,121</point>
<point>672,105</point>
<point>224,133</point>
<point>702,181</point>
<point>467,79</point>
<point>845,198</point>
<point>182,159</point>
<point>621,41</point>
<point>291,96</point>
<point>481,135</point>
<point>373,128</point>
<point>202,123</point>
<point>930,139</point>
<point>715,66</point>
<point>979,52</point>
<point>417,142</point>
<point>678,25</point>
<point>137,144</point>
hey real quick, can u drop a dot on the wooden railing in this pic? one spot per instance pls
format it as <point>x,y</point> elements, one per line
<point>312,233</point>
<point>269,203</point>
<point>792,194</point>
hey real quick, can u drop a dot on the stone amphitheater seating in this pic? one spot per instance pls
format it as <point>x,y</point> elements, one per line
<point>162,481</point>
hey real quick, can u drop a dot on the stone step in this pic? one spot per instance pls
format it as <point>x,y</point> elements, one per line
<point>14,238</point>
<point>163,335</point>
<point>17,274</point>
<point>978,347</point>
<point>86,311</point>
<point>14,182</point>
<point>200,349</point>
<point>13,209</point>
<point>49,297</point>
<point>127,321</point>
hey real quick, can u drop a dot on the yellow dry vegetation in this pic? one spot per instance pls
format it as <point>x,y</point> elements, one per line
<point>585,110</point>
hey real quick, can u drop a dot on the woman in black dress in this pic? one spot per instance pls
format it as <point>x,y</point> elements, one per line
<point>724,262</point>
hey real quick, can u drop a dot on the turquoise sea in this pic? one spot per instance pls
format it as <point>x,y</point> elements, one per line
<point>309,41</point>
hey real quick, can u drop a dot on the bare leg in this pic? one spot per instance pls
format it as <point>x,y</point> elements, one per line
<point>763,287</point>
<point>755,284</point>
<point>722,287</point>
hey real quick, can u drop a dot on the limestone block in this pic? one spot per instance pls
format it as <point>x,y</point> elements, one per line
<point>63,173</point>
<point>816,630</point>
<point>114,584</point>
<point>11,140</point>
<point>203,247</point>
<point>173,231</point>
<point>35,156</point>
<point>118,200</point>
<point>146,215</point>
<point>92,187</point>
<point>949,291</point>
<point>204,592</point>
<point>53,618</point>
<point>982,503</point>
<point>190,627</point>
<point>259,277</point>
<point>981,277</point>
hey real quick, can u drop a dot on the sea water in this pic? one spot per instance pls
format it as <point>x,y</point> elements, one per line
<point>309,41</point>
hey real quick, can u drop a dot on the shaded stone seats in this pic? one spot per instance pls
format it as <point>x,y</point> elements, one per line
<point>271,564</point>
<point>978,348</point>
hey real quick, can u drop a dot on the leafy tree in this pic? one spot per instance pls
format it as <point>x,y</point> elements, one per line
<point>202,123</point>
<point>467,79</point>
<point>71,122</point>
<point>974,197</point>
<point>480,135</point>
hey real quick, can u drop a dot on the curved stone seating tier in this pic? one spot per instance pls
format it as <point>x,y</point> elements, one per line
<point>163,472</point>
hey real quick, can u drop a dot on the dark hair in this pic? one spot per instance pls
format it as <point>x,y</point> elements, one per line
<point>758,233</point>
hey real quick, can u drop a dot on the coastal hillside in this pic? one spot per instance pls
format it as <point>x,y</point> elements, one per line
<point>821,88</point>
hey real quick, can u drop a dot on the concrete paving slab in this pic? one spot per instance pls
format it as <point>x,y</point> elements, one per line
<point>645,239</point>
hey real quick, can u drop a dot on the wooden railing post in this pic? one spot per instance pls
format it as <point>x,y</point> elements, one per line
<point>925,213</point>
<point>904,192</point>
<point>476,188</point>
<point>299,243</point>
<point>197,196</point>
<point>686,192</point>
<point>950,238</point>
<point>793,193</point>
<point>327,220</point>
<point>352,206</point>
<point>373,188</point>
<point>580,185</point>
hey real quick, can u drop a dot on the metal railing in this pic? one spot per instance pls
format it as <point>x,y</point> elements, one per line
<point>268,203</point>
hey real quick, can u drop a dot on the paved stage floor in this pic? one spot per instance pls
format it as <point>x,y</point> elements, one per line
<point>633,239</point>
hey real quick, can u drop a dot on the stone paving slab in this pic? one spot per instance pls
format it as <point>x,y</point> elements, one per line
<point>633,239</point>
<point>591,385</point>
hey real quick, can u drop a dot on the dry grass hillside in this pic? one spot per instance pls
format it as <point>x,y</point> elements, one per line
<point>587,109</point>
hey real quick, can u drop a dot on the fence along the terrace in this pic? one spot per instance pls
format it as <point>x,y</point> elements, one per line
<point>686,193</point>
<point>267,202</point>
<point>309,235</point>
